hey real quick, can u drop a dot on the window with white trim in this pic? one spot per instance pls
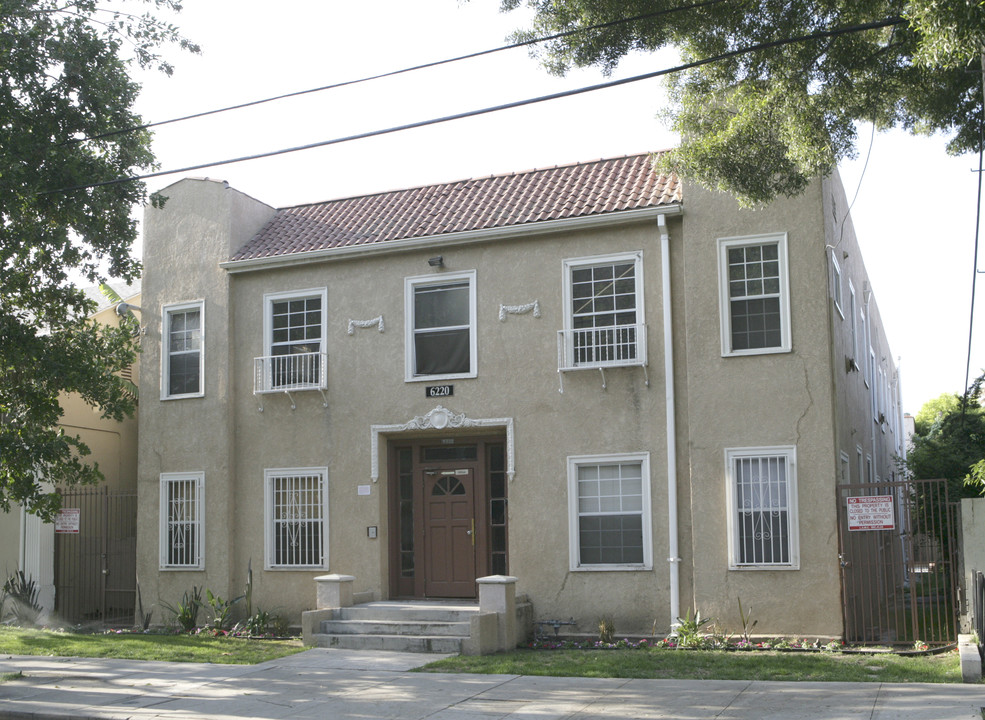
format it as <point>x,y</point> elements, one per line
<point>294,333</point>
<point>762,492</point>
<point>872,374</point>
<point>836,285</point>
<point>183,356</point>
<point>296,505</point>
<point>609,512</point>
<point>865,343</point>
<point>754,294</point>
<point>440,326</point>
<point>603,318</point>
<point>181,523</point>
<point>852,310</point>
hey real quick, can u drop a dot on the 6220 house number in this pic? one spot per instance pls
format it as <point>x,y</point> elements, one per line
<point>435,391</point>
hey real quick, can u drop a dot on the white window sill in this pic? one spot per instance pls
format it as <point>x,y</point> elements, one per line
<point>296,568</point>
<point>742,568</point>
<point>758,351</point>
<point>439,378</point>
<point>612,568</point>
<point>182,397</point>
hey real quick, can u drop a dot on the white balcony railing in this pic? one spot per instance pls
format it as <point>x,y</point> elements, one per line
<point>601,347</point>
<point>290,373</point>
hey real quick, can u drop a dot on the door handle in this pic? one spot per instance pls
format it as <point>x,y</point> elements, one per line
<point>471,532</point>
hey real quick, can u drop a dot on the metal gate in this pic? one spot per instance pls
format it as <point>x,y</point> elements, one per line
<point>898,571</point>
<point>96,560</point>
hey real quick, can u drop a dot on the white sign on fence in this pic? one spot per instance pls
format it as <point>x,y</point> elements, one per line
<point>874,512</point>
<point>67,521</point>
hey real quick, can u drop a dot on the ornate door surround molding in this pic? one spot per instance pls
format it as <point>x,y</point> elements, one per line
<point>439,419</point>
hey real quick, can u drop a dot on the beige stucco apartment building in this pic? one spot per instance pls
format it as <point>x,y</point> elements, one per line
<point>634,397</point>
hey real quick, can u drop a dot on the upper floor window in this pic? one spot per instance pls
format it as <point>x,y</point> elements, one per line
<point>754,294</point>
<point>440,326</point>
<point>181,521</point>
<point>864,339</point>
<point>852,308</point>
<point>294,332</point>
<point>609,512</point>
<point>603,318</point>
<point>762,491</point>
<point>836,286</point>
<point>183,359</point>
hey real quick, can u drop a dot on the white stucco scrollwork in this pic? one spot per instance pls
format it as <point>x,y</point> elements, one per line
<point>353,324</point>
<point>440,418</point>
<point>505,310</point>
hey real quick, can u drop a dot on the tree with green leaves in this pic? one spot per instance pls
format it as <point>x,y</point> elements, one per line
<point>774,90</point>
<point>66,93</point>
<point>949,441</point>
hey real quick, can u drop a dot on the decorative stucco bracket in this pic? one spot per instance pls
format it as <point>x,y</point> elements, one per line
<point>353,324</point>
<point>440,419</point>
<point>505,310</point>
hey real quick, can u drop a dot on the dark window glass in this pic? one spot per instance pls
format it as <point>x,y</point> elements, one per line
<point>442,330</point>
<point>439,453</point>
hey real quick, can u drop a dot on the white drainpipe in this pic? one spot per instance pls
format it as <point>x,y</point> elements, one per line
<point>673,559</point>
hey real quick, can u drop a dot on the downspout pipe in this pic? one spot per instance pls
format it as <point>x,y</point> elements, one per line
<point>669,402</point>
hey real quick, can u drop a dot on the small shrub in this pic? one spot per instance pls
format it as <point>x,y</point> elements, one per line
<point>280,626</point>
<point>689,630</point>
<point>256,625</point>
<point>22,590</point>
<point>186,612</point>
<point>143,619</point>
<point>219,610</point>
<point>747,622</point>
<point>607,629</point>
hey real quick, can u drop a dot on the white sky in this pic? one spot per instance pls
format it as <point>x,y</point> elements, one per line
<point>915,212</point>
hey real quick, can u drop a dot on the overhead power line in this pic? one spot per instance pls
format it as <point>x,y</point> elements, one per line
<point>392,73</point>
<point>820,35</point>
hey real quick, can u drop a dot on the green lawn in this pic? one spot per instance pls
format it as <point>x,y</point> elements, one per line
<point>625,663</point>
<point>714,664</point>
<point>138,646</point>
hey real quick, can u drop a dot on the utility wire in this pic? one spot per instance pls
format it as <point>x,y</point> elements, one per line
<point>424,66</point>
<point>978,220</point>
<point>496,108</point>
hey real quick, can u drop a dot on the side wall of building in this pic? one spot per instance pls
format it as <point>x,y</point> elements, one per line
<point>765,405</point>
<point>868,423</point>
<point>200,225</point>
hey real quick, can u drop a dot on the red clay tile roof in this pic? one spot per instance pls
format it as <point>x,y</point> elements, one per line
<point>569,191</point>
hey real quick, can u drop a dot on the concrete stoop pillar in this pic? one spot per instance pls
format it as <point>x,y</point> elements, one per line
<point>332,592</point>
<point>494,628</point>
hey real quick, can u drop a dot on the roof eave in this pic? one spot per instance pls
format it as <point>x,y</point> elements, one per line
<point>468,237</point>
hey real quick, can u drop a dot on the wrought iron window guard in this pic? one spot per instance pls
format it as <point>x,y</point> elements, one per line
<point>289,374</point>
<point>600,348</point>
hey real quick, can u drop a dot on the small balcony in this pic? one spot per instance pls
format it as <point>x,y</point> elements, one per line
<point>291,373</point>
<point>600,348</point>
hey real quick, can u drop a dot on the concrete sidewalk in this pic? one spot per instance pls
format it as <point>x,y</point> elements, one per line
<point>334,684</point>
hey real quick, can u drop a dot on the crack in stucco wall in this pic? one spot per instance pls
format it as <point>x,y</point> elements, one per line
<point>810,401</point>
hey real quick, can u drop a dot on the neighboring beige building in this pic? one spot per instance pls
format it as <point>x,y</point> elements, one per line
<point>28,544</point>
<point>636,400</point>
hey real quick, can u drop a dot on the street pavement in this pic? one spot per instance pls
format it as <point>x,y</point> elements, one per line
<point>341,684</point>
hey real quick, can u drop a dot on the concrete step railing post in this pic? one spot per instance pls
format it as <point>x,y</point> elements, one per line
<point>332,592</point>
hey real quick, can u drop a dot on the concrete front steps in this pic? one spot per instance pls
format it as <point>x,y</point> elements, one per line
<point>435,626</point>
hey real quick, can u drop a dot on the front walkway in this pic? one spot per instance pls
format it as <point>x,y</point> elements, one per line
<point>338,684</point>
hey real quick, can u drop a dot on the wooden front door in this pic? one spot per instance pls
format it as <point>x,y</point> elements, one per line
<point>447,515</point>
<point>449,532</point>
